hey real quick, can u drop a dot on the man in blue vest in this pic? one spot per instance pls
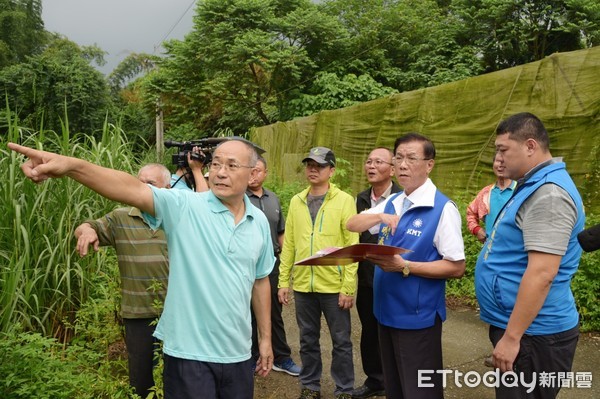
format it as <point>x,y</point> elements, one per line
<point>409,290</point>
<point>523,274</point>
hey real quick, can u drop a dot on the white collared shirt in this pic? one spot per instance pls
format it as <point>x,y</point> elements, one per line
<point>448,238</point>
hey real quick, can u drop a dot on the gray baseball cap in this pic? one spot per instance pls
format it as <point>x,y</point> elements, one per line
<point>321,155</point>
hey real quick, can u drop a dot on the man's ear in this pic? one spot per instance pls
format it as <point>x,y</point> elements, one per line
<point>531,145</point>
<point>430,163</point>
<point>253,173</point>
<point>331,171</point>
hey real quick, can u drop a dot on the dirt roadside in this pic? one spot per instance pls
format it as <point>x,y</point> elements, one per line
<point>465,345</point>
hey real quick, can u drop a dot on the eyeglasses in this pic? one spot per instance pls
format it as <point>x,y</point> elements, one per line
<point>377,162</point>
<point>410,160</point>
<point>216,166</point>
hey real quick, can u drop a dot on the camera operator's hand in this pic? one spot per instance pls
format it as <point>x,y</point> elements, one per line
<point>194,164</point>
<point>197,170</point>
<point>86,236</point>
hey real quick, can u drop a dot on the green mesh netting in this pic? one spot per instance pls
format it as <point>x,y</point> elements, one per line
<point>563,90</point>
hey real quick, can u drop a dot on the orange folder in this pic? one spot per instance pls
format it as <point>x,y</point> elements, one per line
<point>334,256</point>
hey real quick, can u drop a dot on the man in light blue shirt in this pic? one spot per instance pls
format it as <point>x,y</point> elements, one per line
<point>220,254</point>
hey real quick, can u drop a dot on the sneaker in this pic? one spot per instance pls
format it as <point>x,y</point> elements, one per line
<point>309,394</point>
<point>288,366</point>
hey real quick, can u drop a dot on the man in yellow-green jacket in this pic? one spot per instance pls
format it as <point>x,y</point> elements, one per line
<point>316,220</point>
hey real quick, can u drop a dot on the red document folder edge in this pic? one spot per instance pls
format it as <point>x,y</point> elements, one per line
<point>335,256</point>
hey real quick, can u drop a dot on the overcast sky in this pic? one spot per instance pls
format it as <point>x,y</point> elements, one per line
<point>119,27</point>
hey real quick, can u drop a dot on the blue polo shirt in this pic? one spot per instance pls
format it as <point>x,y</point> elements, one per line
<point>213,266</point>
<point>178,182</point>
<point>498,197</point>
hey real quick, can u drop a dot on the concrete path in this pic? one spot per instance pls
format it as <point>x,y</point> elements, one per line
<point>465,345</point>
<point>465,340</point>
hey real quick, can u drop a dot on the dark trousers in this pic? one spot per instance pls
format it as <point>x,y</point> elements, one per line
<point>193,379</point>
<point>140,352</point>
<point>404,353</point>
<point>281,349</point>
<point>369,339</point>
<point>551,353</point>
<point>310,306</point>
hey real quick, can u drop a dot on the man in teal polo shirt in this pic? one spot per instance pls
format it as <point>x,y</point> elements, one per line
<point>214,273</point>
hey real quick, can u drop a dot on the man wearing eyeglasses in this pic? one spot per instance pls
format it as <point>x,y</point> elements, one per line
<point>409,290</point>
<point>380,172</point>
<point>316,220</point>
<point>214,271</point>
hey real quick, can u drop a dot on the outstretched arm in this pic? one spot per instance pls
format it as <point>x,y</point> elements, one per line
<point>112,184</point>
<point>364,221</point>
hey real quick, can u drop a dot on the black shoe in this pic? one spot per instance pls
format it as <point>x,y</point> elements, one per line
<point>366,392</point>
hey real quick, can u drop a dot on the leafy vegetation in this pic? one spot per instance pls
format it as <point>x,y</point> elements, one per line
<point>58,79</point>
<point>42,283</point>
<point>246,63</point>
<point>90,366</point>
<point>34,366</point>
<point>21,30</point>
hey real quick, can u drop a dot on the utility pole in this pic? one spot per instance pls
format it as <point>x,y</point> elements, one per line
<point>159,130</point>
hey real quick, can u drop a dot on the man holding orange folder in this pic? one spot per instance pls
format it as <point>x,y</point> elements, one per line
<point>409,289</point>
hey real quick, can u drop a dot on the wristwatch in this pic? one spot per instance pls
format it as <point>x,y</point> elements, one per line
<point>406,268</point>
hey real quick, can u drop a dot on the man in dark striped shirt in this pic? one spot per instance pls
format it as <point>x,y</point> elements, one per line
<point>144,270</point>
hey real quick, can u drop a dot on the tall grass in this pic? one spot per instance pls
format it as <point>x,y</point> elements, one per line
<point>42,280</point>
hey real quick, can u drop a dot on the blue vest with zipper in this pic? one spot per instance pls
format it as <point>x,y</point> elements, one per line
<point>411,302</point>
<point>503,261</point>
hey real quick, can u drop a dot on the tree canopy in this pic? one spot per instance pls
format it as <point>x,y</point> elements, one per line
<point>58,82</point>
<point>253,62</point>
<point>21,30</point>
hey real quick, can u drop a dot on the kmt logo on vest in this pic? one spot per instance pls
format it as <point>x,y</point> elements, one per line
<point>417,224</point>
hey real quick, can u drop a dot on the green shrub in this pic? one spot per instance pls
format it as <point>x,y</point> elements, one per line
<point>42,281</point>
<point>35,367</point>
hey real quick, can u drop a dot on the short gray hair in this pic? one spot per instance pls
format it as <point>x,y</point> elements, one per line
<point>249,145</point>
<point>165,174</point>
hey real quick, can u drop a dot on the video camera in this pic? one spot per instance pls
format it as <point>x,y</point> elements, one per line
<point>207,146</point>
